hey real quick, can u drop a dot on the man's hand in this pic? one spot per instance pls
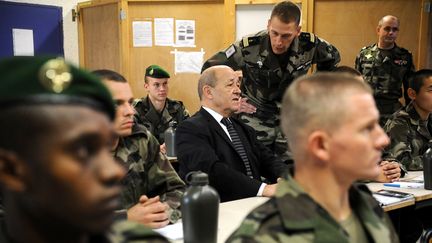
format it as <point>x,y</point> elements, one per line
<point>245,106</point>
<point>163,148</point>
<point>390,171</point>
<point>150,212</point>
<point>269,190</point>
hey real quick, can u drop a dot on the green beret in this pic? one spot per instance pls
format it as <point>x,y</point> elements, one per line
<point>50,80</point>
<point>156,71</point>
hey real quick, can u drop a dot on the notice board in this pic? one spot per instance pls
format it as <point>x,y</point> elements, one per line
<point>44,22</point>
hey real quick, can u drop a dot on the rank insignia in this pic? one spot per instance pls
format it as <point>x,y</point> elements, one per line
<point>230,51</point>
<point>55,75</point>
<point>400,62</point>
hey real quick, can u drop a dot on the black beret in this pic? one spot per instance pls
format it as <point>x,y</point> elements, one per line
<point>50,80</point>
<point>156,71</point>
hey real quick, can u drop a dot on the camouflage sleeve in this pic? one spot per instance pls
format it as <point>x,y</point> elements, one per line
<point>137,116</point>
<point>231,57</point>
<point>128,231</point>
<point>326,55</point>
<point>400,145</point>
<point>162,176</point>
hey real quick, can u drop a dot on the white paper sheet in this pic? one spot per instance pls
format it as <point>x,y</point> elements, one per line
<point>142,33</point>
<point>23,44</point>
<point>164,31</point>
<point>185,33</point>
<point>188,62</point>
<point>172,231</point>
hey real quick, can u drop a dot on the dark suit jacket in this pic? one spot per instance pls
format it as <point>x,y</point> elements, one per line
<point>202,144</point>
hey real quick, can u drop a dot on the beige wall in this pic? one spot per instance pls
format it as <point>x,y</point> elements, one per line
<point>350,25</point>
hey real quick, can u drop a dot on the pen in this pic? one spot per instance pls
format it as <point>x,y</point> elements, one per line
<point>405,185</point>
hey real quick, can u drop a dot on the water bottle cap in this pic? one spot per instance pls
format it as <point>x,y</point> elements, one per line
<point>197,178</point>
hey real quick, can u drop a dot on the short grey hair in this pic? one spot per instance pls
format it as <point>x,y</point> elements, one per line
<point>381,21</point>
<point>317,102</point>
<point>208,77</point>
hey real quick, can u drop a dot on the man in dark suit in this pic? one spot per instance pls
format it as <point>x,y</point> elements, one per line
<point>234,160</point>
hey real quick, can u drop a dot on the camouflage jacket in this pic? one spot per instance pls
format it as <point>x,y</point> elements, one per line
<point>148,170</point>
<point>120,232</point>
<point>157,122</point>
<point>410,138</point>
<point>386,70</point>
<point>264,80</point>
<point>293,216</point>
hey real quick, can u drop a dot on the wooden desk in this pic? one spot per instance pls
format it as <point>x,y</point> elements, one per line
<point>232,213</point>
<point>420,194</point>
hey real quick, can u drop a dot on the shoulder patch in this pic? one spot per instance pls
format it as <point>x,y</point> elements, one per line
<point>230,51</point>
<point>306,36</point>
<point>250,41</point>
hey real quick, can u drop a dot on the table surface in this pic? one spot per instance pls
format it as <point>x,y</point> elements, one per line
<point>232,213</point>
<point>420,194</point>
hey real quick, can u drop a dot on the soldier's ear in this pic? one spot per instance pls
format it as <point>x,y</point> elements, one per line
<point>411,93</point>
<point>12,171</point>
<point>318,146</point>
<point>298,30</point>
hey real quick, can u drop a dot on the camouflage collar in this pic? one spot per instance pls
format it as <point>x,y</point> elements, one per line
<point>413,115</point>
<point>138,130</point>
<point>294,45</point>
<point>265,46</point>
<point>299,212</point>
<point>297,208</point>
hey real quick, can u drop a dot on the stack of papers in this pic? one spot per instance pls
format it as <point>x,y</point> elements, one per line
<point>388,197</point>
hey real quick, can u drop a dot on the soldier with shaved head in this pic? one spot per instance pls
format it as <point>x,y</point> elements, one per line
<point>331,124</point>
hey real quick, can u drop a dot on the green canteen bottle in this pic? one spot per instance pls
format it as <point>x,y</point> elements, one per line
<point>427,169</point>
<point>200,210</point>
<point>169,136</point>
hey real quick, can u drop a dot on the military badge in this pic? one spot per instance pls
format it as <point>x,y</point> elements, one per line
<point>55,75</point>
<point>400,62</point>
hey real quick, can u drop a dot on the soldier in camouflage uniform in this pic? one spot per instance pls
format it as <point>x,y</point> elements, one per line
<point>332,127</point>
<point>58,180</point>
<point>156,111</point>
<point>410,127</point>
<point>152,189</point>
<point>386,67</point>
<point>270,60</point>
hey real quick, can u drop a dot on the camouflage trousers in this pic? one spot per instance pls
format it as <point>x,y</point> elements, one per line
<point>270,134</point>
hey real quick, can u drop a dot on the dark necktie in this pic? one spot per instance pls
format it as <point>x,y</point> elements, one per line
<point>238,146</point>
